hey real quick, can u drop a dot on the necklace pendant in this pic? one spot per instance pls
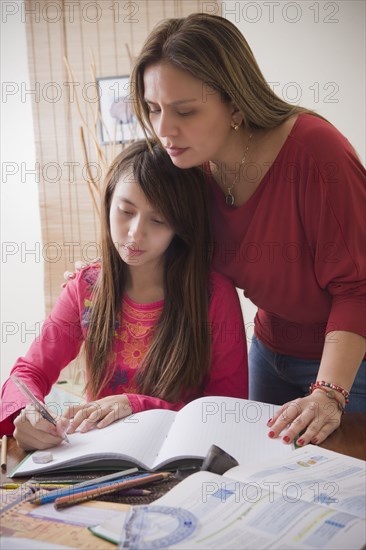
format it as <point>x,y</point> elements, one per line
<point>229,198</point>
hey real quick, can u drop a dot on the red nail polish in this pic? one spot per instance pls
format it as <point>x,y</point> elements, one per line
<point>271,434</point>
<point>315,441</point>
<point>286,438</point>
<point>269,421</point>
<point>300,442</point>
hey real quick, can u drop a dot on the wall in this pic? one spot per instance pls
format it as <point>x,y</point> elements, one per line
<point>310,51</point>
<point>22,299</point>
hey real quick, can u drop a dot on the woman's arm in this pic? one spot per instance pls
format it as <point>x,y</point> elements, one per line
<point>318,415</point>
<point>332,214</point>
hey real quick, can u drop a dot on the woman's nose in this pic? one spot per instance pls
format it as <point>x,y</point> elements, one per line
<point>166,126</point>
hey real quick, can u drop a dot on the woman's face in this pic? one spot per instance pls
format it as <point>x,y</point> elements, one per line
<point>190,118</point>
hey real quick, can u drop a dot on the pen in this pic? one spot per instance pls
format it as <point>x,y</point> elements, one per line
<point>4,450</point>
<point>74,490</point>
<point>38,405</point>
<point>90,493</point>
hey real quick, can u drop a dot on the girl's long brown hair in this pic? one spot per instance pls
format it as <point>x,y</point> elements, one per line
<point>213,50</point>
<point>179,356</point>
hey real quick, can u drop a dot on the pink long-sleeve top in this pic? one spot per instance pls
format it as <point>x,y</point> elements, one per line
<point>297,246</point>
<point>65,329</point>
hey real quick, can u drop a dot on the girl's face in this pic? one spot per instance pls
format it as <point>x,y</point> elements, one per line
<point>139,233</point>
<point>190,118</point>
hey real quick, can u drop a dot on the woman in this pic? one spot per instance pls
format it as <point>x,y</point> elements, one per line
<point>159,328</point>
<point>287,197</point>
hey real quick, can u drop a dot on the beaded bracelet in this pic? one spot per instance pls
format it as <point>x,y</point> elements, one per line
<point>330,393</point>
<point>335,387</point>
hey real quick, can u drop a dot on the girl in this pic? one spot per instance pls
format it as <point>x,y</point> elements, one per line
<point>287,195</point>
<point>159,329</point>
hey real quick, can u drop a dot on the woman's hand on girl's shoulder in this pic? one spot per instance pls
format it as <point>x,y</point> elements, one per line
<point>315,417</point>
<point>79,265</point>
<point>97,414</point>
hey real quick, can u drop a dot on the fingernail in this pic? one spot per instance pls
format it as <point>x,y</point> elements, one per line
<point>300,442</point>
<point>269,421</point>
<point>286,438</point>
<point>315,441</point>
<point>271,434</point>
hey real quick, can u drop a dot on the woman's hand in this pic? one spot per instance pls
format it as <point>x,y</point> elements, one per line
<point>68,275</point>
<point>315,415</point>
<point>33,432</point>
<point>97,414</point>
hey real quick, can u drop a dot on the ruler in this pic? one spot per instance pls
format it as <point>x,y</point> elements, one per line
<point>153,527</point>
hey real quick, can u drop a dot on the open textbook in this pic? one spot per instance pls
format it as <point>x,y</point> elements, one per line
<point>314,499</point>
<point>159,438</point>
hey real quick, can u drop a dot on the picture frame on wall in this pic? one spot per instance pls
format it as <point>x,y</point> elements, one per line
<point>118,123</point>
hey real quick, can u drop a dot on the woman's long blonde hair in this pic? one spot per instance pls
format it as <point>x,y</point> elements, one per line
<point>213,50</point>
<point>179,356</point>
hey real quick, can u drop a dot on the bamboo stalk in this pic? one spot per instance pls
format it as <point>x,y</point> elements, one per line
<point>89,180</point>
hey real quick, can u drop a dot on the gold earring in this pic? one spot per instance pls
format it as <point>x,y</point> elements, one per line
<point>235,126</point>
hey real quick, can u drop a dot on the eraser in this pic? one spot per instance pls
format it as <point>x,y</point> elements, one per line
<point>42,457</point>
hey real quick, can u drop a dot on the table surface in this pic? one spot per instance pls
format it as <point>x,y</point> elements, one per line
<point>348,439</point>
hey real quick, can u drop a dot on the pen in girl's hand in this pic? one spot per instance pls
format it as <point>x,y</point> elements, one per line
<point>38,405</point>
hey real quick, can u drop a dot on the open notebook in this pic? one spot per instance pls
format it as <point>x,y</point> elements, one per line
<point>160,438</point>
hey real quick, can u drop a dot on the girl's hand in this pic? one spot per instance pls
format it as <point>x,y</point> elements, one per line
<point>98,414</point>
<point>315,415</point>
<point>33,432</point>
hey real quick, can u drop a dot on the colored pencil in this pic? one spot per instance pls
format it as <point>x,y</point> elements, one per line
<point>10,486</point>
<point>107,477</point>
<point>89,493</point>
<point>51,496</point>
<point>4,452</point>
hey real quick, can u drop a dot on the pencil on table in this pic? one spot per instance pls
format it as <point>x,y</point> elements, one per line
<point>4,451</point>
<point>70,500</point>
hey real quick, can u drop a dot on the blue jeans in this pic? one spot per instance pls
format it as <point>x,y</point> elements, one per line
<point>276,378</point>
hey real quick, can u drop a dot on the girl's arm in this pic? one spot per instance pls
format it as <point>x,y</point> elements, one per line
<point>57,344</point>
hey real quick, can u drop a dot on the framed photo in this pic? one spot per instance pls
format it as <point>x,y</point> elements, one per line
<point>118,122</point>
